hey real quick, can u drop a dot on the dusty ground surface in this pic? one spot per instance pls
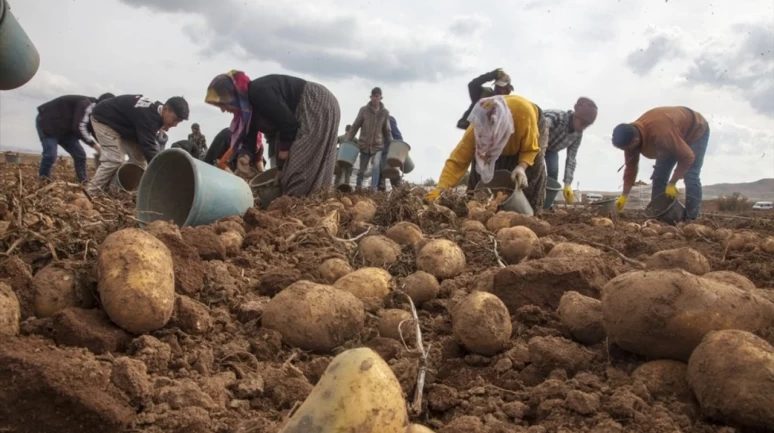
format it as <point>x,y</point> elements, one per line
<point>214,368</point>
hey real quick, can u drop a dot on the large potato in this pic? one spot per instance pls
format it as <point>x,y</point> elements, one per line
<point>136,280</point>
<point>333,269</point>
<point>582,316</point>
<point>540,227</point>
<point>732,374</point>
<point>364,211</point>
<point>664,378</point>
<point>395,322</point>
<point>767,245</point>
<point>441,258</point>
<point>570,250</point>
<point>482,324</point>
<point>732,278</point>
<point>684,258</point>
<point>357,393</point>
<point>57,287</point>
<point>10,311</point>
<point>314,316</point>
<point>405,233</point>
<point>500,220</point>
<point>379,250</point>
<point>665,314</point>
<point>516,243</point>
<point>421,287</point>
<point>366,283</point>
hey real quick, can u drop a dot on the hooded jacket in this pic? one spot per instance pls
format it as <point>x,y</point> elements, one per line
<point>61,117</point>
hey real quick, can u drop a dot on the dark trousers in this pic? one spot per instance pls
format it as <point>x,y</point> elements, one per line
<point>70,144</point>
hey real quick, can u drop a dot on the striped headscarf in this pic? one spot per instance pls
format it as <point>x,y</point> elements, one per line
<point>230,90</point>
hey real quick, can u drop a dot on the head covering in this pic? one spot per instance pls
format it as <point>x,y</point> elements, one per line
<point>586,109</point>
<point>376,91</point>
<point>492,123</point>
<point>623,135</point>
<point>230,90</point>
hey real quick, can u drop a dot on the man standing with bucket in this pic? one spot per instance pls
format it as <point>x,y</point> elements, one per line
<point>566,132</point>
<point>128,124</point>
<point>396,135</point>
<point>373,122</point>
<point>672,136</point>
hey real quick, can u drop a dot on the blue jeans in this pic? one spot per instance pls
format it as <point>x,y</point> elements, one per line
<point>552,164</point>
<point>663,171</point>
<point>376,168</point>
<point>70,144</point>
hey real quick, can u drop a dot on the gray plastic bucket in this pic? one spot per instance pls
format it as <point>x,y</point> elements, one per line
<point>605,206</point>
<point>552,189</point>
<point>397,154</point>
<point>666,209</point>
<point>12,158</point>
<point>128,176</point>
<point>348,152</point>
<point>503,182</point>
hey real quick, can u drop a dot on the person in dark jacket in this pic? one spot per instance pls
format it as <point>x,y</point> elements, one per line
<point>130,124</point>
<point>189,146</point>
<point>63,122</point>
<point>219,146</point>
<point>396,135</point>
<point>477,90</point>
<point>304,115</point>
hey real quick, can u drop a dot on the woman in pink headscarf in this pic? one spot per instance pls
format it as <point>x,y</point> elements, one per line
<point>304,116</point>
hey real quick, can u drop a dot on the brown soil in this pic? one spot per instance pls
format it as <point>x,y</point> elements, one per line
<point>214,368</point>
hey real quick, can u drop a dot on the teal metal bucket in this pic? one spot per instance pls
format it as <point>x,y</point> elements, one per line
<point>19,59</point>
<point>397,154</point>
<point>348,152</point>
<point>189,192</point>
<point>552,189</point>
<point>408,165</point>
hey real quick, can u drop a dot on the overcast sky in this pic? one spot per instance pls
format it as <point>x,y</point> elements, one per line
<point>716,57</point>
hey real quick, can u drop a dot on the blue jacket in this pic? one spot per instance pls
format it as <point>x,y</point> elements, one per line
<point>396,135</point>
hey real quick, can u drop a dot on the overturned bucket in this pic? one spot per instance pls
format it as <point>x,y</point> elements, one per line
<point>265,187</point>
<point>666,209</point>
<point>127,177</point>
<point>397,153</point>
<point>552,189</point>
<point>189,192</point>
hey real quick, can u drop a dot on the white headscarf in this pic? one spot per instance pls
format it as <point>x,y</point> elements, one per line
<point>492,123</point>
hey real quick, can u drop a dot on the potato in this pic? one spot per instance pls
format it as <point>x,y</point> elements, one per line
<point>472,226</point>
<point>389,322</point>
<point>10,311</point>
<point>602,222</point>
<point>379,250</point>
<point>366,283</point>
<point>569,249</point>
<point>136,280</point>
<point>668,236</point>
<point>333,269</point>
<point>421,287</point>
<point>416,428</point>
<point>405,233</point>
<point>540,227</point>
<point>472,204</point>
<point>330,222</point>
<point>664,378</point>
<point>737,242</point>
<point>314,316</point>
<point>662,230</point>
<point>482,324</point>
<point>582,316</point>
<point>363,211</point>
<point>631,227</point>
<point>346,201</point>
<point>693,231</point>
<point>732,278</point>
<point>480,215</point>
<point>357,392</point>
<point>231,225</point>
<point>56,287</point>
<point>159,228</point>
<point>82,203</point>
<point>752,239</point>
<point>648,232</point>
<point>232,241</point>
<point>684,258</point>
<point>665,314</point>
<point>722,235</point>
<point>767,245</point>
<point>441,258</point>
<point>732,374</point>
<point>500,220</point>
<point>516,243</point>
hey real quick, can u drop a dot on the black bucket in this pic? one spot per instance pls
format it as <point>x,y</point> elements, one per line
<point>666,209</point>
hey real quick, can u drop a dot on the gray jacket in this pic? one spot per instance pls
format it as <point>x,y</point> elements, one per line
<point>374,127</point>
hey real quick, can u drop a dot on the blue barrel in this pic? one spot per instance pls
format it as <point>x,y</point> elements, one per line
<point>348,152</point>
<point>552,189</point>
<point>19,59</point>
<point>189,192</point>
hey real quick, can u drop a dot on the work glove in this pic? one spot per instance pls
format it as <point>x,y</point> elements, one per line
<point>569,195</point>
<point>433,195</point>
<point>621,203</point>
<point>520,177</point>
<point>671,190</point>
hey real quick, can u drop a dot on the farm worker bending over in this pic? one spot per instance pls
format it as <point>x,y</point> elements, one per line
<point>672,136</point>
<point>478,90</point>
<point>396,135</point>
<point>304,116</point>
<point>62,122</point>
<point>565,132</point>
<point>373,122</point>
<point>506,133</point>
<point>129,124</point>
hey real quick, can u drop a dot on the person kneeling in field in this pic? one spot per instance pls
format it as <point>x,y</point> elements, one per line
<point>129,124</point>
<point>672,136</point>
<point>505,133</point>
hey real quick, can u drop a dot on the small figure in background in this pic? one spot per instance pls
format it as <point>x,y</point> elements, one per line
<point>198,139</point>
<point>373,123</point>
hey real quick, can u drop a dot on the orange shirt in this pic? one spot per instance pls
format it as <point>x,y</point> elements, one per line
<point>666,132</point>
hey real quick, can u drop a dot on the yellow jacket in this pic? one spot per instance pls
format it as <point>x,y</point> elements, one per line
<point>523,141</point>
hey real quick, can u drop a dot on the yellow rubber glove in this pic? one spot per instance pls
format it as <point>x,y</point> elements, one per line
<point>671,190</point>
<point>433,195</point>
<point>621,203</point>
<point>569,195</point>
